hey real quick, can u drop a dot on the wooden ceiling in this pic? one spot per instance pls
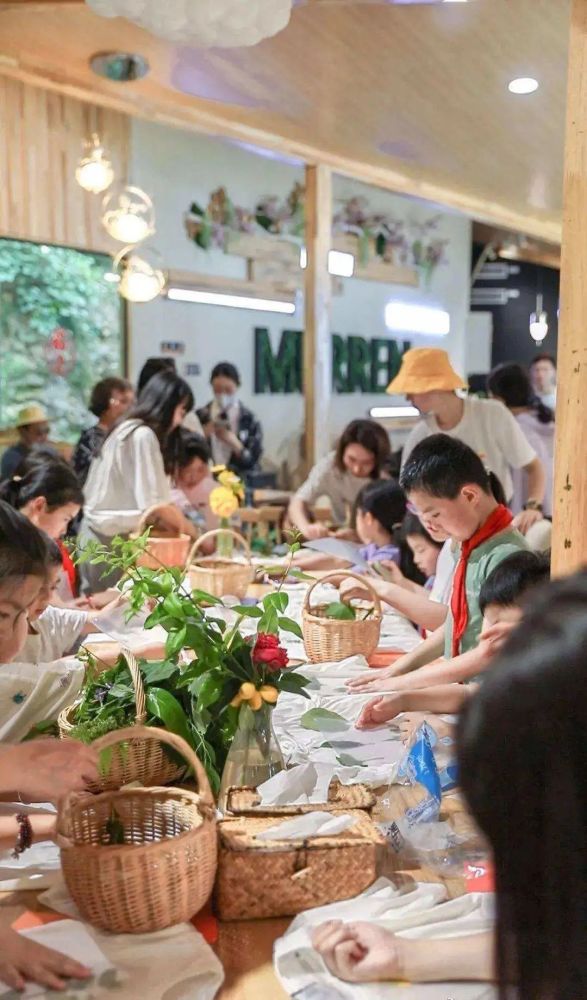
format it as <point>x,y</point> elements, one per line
<point>413,98</point>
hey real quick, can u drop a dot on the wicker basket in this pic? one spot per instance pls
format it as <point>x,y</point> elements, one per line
<point>281,878</point>
<point>164,870</point>
<point>246,802</point>
<point>165,549</point>
<point>218,576</point>
<point>136,759</point>
<point>329,639</point>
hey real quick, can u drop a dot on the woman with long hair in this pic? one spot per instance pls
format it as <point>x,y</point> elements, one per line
<point>511,384</point>
<point>131,473</point>
<point>361,451</point>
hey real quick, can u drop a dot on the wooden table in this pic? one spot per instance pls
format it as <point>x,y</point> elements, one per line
<point>245,948</point>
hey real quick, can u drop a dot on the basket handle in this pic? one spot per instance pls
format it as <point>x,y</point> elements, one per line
<point>335,575</point>
<point>161,736</point>
<point>142,525</point>
<point>212,534</point>
<point>137,683</point>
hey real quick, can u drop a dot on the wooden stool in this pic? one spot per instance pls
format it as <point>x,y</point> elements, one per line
<point>261,520</point>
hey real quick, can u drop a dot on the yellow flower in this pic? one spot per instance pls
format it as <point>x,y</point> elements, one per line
<point>232,482</point>
<point>269,693</point>
<point>248,692</point>
<point>216,469</point>
<point>223,502</point>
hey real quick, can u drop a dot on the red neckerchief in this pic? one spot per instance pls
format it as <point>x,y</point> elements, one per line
<point>68,567</point>
<point>496,522</point>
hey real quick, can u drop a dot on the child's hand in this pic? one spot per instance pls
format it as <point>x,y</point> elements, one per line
<point>494,638</point>
<point>317,530</point>
<point>350,589</point>
<point>359,952</point>
<point>379,710</point>
<point>393,573</point>
<point>372,680</point>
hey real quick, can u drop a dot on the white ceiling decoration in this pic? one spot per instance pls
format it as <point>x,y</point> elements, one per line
<point>203,23</point>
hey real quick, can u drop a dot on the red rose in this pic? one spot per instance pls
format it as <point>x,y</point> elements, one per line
<point>268,652</point>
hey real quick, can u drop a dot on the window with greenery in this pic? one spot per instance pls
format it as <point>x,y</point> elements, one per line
<point>61,330</point>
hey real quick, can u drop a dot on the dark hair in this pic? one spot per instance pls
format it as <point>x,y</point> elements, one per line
<point>413,526</point>
<point>512,578</point>
<point>156,406</point>
<point>23,548</point>
<point>441,465</point>
<point>391,467</point>
<point>386,501</point>
<point>190,446</point>
<point>228,370</point>
<point>522,767</point>
<point>102,393</point>
<point>153,366</point>
<point>371,436</point>
<point>511,383</point>
<point>42,474</point>
<point>544,357</point>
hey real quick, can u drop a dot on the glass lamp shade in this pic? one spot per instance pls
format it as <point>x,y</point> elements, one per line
<point>128,215</point>
<point>142,278</point>
<point>538,326</point>
<point>94,171</point>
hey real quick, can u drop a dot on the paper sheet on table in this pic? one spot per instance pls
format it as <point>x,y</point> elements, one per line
<point>37,868</point>
<point>299,786</point>
<point>312,824</point>
<point>339,549</point>
<point>70,938</point>
<point>131,633</point>
<point>421,913</point>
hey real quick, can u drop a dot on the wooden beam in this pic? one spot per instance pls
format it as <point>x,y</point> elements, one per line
<point>569,549</point>
<point>317,346</point>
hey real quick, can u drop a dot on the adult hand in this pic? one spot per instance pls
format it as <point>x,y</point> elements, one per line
<point>526,519</point>
<point>378,711</point>
<point>229,437</point>
<point>316,530</point>
<point>345,534</point>
<point>23,960</point>
<point>46,770</point>
<point>359,952</point>
<point>350,589</point>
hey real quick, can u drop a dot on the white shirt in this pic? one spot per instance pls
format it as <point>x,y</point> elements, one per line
<point>57,633</point>
<point>125,479</point>
<point>327,480</point>
<point>445,570</point>
<point>489,428</point>
<point>31,693</point>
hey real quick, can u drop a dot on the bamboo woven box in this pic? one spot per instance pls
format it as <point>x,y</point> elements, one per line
<point>247,801</point>
<point>280,878</point>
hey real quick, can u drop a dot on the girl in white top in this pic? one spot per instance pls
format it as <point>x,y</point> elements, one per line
<point>131,472</point>
<point>362,449</point>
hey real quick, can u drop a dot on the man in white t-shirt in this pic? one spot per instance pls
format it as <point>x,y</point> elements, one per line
<point>428,380</point>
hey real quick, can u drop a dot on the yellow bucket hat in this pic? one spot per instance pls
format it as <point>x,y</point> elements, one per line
<point>32,414</point>
<point>425,369</point>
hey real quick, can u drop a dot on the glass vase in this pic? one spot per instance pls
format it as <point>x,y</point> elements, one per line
<point>225,542</point>
<point>254,755</point>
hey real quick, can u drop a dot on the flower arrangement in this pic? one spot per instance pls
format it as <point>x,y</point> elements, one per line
<point>225,499</point>
<point>211,672</point>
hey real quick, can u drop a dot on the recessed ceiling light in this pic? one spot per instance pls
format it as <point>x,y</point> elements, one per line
<point>523,85</point>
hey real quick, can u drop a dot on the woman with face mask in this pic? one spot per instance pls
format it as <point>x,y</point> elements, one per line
<point>234,433</point>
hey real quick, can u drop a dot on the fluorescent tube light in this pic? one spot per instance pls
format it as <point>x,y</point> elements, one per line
<point>340,264</point>
<point>234,301</point>
<point>380,412</point>
<point>403,317</point>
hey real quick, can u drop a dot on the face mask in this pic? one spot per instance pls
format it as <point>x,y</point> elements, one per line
<point>225,400</point>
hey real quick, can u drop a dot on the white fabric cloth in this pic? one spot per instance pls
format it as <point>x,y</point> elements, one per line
<point>445,571</point>
<point>57,633</point>
<point>33,692</point>
<point>541,437</point>
<point>489,428</point>
<point>326,480</point>
<point>126,478</point>
<point>421,913</point>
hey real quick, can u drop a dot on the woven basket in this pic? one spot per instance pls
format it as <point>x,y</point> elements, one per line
<point>217,576</point>
<point>164,871</point>
<point>162,550</point>
<point>136,759</point>
<point>329,639</point>
<point>281,878</point>
<point>246,802</point>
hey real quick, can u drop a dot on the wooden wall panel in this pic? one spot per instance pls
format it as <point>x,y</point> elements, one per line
<point>41,136</point>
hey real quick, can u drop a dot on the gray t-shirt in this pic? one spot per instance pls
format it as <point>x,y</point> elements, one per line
<point>327,480</point>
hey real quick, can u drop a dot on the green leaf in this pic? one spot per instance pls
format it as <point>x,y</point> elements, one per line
<point>164,706</point>
<point>278,600</point>
<point>341,611</point>
<point>173,606</point>
<point>324,721</point>
<point>294,683</point>
<point>346,760</point>
<point>210,689</point>
<point>298,575</point>
<point>288,625</point>
<point>175,641</point>
<point>204,597</point>
<point>248,611</point>
<point>159,670</point>
<point>105,761</point>
<point>269,623</point>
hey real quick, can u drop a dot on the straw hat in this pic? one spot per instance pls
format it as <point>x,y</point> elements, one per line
<point>425,369</point>
<point>32,414</point>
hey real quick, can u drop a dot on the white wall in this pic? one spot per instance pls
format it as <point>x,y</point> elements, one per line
<point>176,167</point>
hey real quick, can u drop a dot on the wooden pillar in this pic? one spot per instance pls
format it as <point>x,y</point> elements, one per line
<point>317,340</point>
<point>569,550</point>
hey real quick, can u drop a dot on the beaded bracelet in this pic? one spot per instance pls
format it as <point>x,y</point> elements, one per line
<point>24,838</point>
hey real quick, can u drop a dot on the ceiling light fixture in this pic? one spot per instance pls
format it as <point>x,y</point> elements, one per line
<point>403,317</point>
<point>383,412</point>
<point>94,171</point>
<point>233,301</point>
<point>340,264</point>
<point>141,274</point>
<point>128,215</point>
<point>539,321</point>
<point>523,85</point>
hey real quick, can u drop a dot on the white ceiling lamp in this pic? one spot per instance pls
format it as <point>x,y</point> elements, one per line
<point>393,412</point>
<point>203,298</point>
<point>539,321</point>
<point>523,85</point>
<point>340,264</point>
<point>203,23</point>
<point>94,171</point>
<point>142,276</point>
<point>128,215</point>
<point>403,317</point>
